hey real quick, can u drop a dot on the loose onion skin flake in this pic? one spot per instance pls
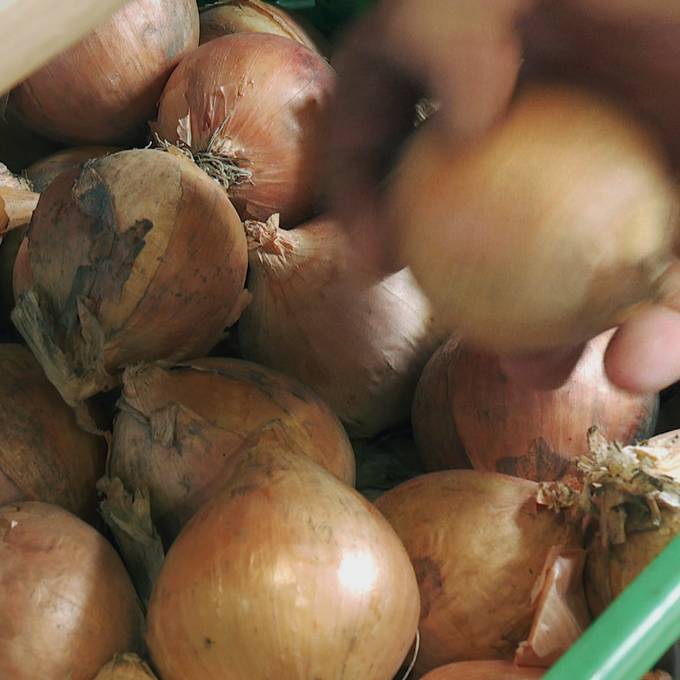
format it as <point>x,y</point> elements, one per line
<point>478,542</point>
<point>178,426</point>
<point>251,109</point>
<point>287,573</point>
<point>552,227</point>
<point>466,411</point>
<point>113,77</point>
<point>44,455</point>
<point>138,256</point>
<point>67,602</point>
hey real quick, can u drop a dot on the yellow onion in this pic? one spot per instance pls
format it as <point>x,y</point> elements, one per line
<point>138,256</point>
<point>43,171</point>
<point>250,16</point>
<point>478,542</point>
<point>67,603</point>
<point>554,226</point>
<point>357,337</point>
<point>125,667</point>
<point>44,455</point>
<point>465,408</point>
<point>483,670</point>
<point>113,77</point>
<point>250,107</point>
<point>288,574</point>
<point>177,427</point>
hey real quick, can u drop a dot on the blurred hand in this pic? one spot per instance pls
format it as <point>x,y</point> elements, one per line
<point>468,56</point>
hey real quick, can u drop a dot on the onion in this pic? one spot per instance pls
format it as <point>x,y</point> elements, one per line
<point>125,667</point>
<point>483,670</point>
<point>113,77</point>
<point>477,541</point>
<point>553,227</point>
<point>358,338</point>
<point>44,455</point>
<point>250,107</point>
<point>465,406</point>
<point>250,16</point>
<point>178,426</point>
<point>137,256</point>
<point>67,602</point>
<point>287,573</point>
<point>42,172</point>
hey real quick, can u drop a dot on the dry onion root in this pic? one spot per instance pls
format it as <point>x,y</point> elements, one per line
<point>177,427</point>
<point>126,667</point>
<point>44,455</point>
<point>250,16</point>
<point>250,109</point>
<point>42,172</point>
<point>138,256</point>
<point>477,541</point>
<point>358,338</point>
<point>113,77</point>
<point>465,411</point>
<point>286,573</point>
<point>67,603</point>
<point>551,228</point>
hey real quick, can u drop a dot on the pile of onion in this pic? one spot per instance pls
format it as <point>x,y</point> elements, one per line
<point>250,16</point>
<point>178,426</point>
<point>554,226</point>
<point>287,573</point>
<point>466,411</point>
<point>359,338</point>
<point>113,77</point>
<point>138,256</point>
<point>478,542</point>
<point>250,107</point>
<point>44,455</point>
<point>42,172</point>
<point>67,603</point>
<point>126,667</point>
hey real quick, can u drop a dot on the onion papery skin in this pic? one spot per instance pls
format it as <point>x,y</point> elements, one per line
<point>125,667</point>
<point>465,408</point>
<point>68,604</point>
<point>113,77</point>
<point>483,670</point>
<point>250,16</point>
<point>477,541</point>
<point>554,226</point>
<point>43,452</point>
<point>257,101</point>
<point>287,573</point>
<point>138,256</point>
<point>177,427</point>
<point>42,172</point>
<point>357,337</point>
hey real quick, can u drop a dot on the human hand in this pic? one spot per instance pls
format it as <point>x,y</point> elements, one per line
<point>468,55</point>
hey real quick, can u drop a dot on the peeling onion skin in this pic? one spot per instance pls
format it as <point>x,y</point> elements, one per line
<point>483,670</point>
<point>358,338</point>
<point>44,455</point>
<point>288,574</point>
<point>126,667</point>
<point>113,77</point>
<point>273,93</point>
<point>554,226</point>
<point>42,172</point>
<point>177,427</point>
<point>139,256</point>
<point>500,426</point>
<point>68,604</point>
<point>250,16</point>
<point>477,542</point>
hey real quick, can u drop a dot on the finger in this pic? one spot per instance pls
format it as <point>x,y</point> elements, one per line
<point>644,354</point>
<point>543,371</point>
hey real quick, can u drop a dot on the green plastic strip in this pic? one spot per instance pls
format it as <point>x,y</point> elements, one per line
<point>634,631</point>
